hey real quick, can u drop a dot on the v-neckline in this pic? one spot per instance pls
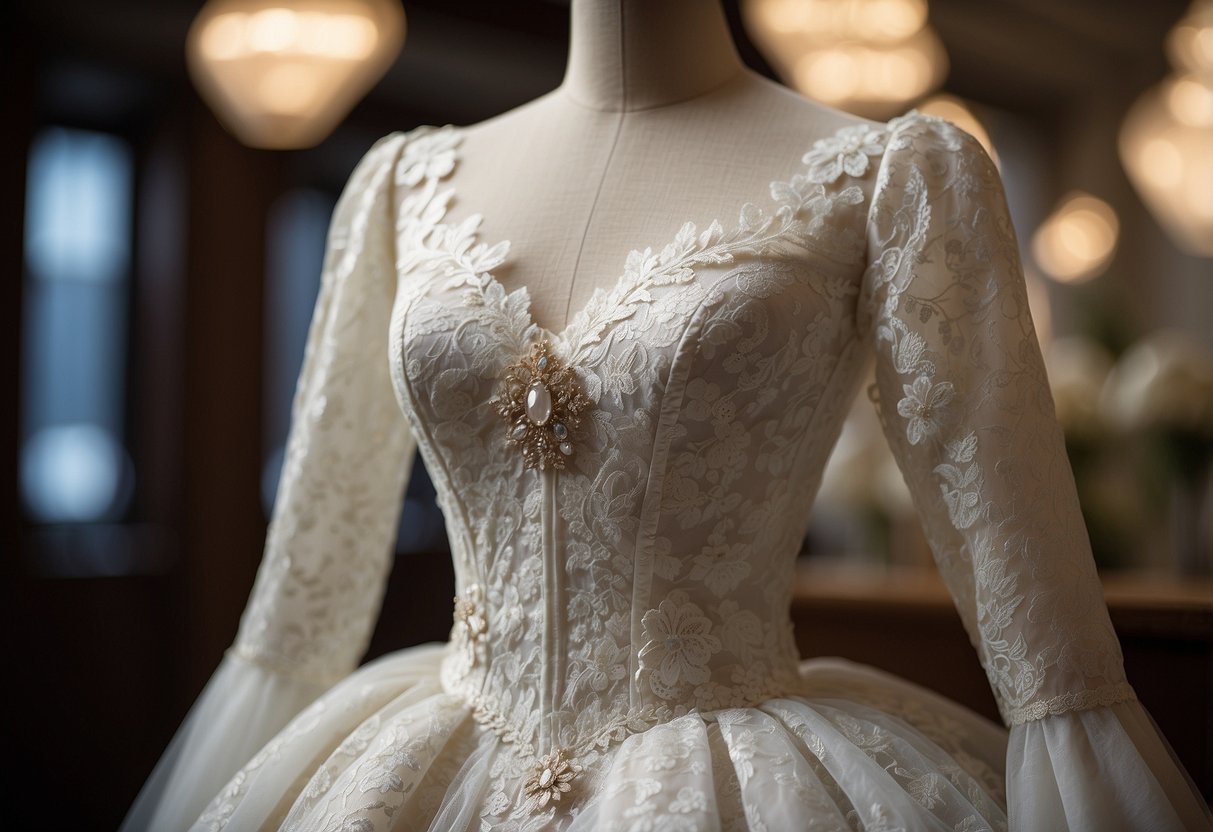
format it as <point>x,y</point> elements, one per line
<point>569,342</point>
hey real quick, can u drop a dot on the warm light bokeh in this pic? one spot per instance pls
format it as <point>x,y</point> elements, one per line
<point>1076,242</point>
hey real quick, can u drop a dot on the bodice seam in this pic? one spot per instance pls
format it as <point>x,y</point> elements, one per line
<point>434,462</point>
<point>654,492</point>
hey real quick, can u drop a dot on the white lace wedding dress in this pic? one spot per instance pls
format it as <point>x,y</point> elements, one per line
<point>621,656</point>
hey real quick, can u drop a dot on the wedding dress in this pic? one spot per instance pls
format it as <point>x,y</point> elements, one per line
<point>625,500</point>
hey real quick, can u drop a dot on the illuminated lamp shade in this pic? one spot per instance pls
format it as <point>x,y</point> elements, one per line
<point>1166,139</point>
<point>1076,242</point>
<point>869,57</point>
<point>875,78</point>
<point>956,111</point>
<point>1190,43</point>
<point>881,21</point>
<point>282,73</point>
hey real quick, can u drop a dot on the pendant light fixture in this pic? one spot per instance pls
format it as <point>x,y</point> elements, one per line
<point>868,57</point>
<point>282,73</point>
<point>1166,140</point>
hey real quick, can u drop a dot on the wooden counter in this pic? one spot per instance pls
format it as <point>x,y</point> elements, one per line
<point>903,620</point>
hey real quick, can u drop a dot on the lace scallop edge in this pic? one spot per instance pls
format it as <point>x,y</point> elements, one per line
<point>486,713</point>
<point>282,665</point>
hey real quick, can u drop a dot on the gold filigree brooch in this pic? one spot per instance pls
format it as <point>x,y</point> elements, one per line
<point>542,402</point>
<point>551,777</point>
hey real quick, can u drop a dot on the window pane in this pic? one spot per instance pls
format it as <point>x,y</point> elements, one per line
<point>298,225</point>
<point>77,253</point>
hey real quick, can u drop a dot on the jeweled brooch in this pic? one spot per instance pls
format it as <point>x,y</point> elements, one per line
<point>542,402</point>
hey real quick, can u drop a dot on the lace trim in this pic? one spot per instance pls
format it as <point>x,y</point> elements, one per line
<point>1082,700</point>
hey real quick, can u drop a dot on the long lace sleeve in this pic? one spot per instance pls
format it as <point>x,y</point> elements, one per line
<point>348,457</point>
<point>966,407</point>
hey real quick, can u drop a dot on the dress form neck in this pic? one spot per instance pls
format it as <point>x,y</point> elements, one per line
<point>658,122</point>
<point>627,55</point>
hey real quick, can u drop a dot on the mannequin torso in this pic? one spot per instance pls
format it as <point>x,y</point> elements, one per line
<point>657,123</point>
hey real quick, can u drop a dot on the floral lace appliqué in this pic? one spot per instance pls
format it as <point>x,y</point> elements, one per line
<point>847,151</point>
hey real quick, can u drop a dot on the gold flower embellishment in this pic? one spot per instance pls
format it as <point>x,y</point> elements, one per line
<point>542,402</point>
<point>551,777</point>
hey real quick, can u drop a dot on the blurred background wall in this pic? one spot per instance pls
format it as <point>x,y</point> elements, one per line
<point>162,276</point>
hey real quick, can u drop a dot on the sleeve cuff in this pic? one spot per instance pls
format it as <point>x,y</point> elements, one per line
<point>1103,768</point>
<point>241,708</point>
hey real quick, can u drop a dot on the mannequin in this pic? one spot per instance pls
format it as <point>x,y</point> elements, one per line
<point>642,136</point>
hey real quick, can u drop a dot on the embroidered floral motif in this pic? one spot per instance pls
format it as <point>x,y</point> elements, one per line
<point>678,647</point>
<point>962,482</point>
<point>722,564</point>
<point>607,664</point>
<point>922,406</point>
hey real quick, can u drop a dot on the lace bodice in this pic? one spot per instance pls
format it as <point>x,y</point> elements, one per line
<point>651,575</point>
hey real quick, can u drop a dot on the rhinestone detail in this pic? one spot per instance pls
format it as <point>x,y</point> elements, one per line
<point>538,403</point>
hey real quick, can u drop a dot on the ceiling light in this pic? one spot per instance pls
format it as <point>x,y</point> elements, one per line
<point>283,73</point>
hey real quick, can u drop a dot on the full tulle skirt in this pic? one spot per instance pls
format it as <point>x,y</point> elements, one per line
<point>388,749</point>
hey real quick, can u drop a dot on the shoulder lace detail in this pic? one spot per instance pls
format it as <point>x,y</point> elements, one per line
<point>428,154</point>
<point>846,151</point>
<point>1081,700</point>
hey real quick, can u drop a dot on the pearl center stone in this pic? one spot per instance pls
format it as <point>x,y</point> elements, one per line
<point>538,403</point>
<point>546,778</point>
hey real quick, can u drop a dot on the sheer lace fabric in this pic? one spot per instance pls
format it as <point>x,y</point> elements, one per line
<point>622,624</point>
